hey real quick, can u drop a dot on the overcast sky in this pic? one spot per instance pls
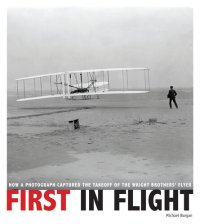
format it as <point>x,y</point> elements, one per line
<point>53,40</point>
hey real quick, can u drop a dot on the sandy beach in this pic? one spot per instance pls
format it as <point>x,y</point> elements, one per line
<point>115,142</point>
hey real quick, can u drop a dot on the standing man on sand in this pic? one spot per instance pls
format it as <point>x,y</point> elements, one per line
<point>172,97</point>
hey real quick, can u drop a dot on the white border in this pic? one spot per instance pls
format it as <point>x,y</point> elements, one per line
<point>74,216</point>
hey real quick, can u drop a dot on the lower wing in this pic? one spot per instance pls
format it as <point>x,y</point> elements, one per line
<point>83,94</point>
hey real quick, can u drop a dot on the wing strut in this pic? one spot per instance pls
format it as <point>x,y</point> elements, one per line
<point>108,80</point>
<point>24,87</point>
<point>148,79</point>
<point>123,78</point>
<point>127,77</point>
<point>34,87</point>
<point>145,86</point>
<point>17,90</point>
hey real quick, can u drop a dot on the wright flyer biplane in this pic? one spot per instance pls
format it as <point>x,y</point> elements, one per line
<point>84,84</point>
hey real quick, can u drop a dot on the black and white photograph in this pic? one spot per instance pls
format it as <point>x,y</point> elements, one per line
<point>100,97</point>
